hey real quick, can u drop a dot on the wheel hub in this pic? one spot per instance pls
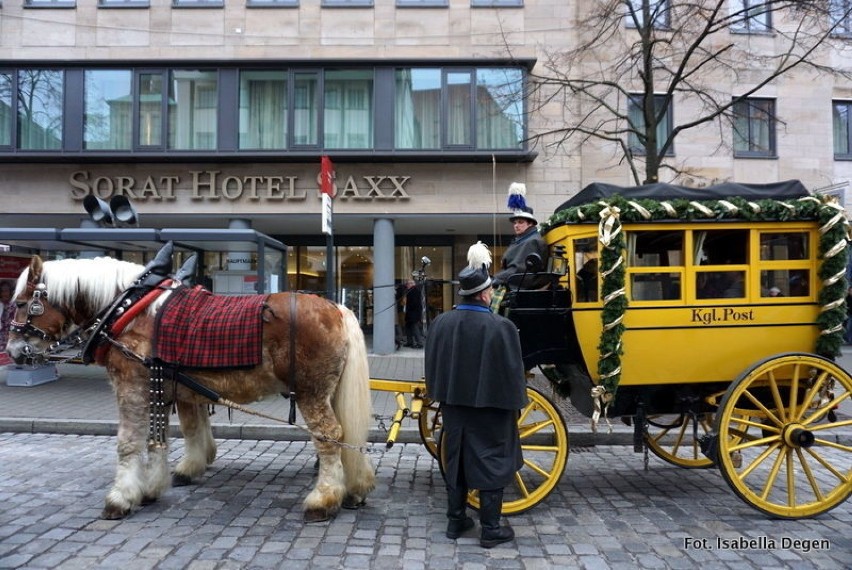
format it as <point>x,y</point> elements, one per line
<point>795,435</point>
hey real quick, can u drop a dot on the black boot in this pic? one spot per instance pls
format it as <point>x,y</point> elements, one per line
<point>458,521</point>
<point>490,505</point>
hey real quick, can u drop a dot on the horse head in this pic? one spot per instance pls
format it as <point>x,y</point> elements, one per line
<point>38,324</point>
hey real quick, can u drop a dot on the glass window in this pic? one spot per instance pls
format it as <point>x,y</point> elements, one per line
<point>586,265</point>
<point>720,247</point>
<point>417,113</point>
<point>422,3</point>
<point>841,112</point>
<point>346,3</point>
<point>785,283</point>
<point>305,109</point>
<point>754,128</point>
<point>6,109</point>
<point>783,246</point>
<point>658,13</point>
<point>841,16</point>
<point>198,3</point>
<point>636,117</point>
<point>459,116</point>
<point>655,248</point>
<point>752,16</point>
<point>499,108</point>
<point>151,94</point>
<point>107,123</point>
<point>272,3</point>
<point>496,3</point>
<point>124,3</point>
<point>348,119</point>
<point>192,112</point>
<point>40,95</point>
<point>263,109</point>
<point>50,3</point>
<point>720,284</point>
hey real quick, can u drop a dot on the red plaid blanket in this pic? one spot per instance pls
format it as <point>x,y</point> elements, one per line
<point>197,329</point>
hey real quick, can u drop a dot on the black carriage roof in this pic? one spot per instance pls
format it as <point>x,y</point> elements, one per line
<point>788,189</point>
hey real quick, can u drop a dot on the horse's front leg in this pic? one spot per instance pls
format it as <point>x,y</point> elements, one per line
<point>130,485</point>
<point>324,501</point>
<point>199,445</point>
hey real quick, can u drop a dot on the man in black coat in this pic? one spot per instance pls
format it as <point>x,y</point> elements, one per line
<point>475,370</point>
<point>413,314</point>
<point>527,240</point>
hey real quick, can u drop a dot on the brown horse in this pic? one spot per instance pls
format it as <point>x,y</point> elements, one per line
<point>55,298</point>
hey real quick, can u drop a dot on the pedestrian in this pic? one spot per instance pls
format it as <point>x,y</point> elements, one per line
<point>413,315</point>
<point>474,368</point>
<point>527,240</point>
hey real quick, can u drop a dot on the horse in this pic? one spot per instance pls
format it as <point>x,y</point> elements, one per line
<point>310,347</point>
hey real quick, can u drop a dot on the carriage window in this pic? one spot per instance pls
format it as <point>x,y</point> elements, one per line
<point>784,246</point>
<point>720,284</point>
<point>785,283</point>
<point>586,260</point>
<point>721,247</point>
<point>655,249</point>
<point>654,286</point>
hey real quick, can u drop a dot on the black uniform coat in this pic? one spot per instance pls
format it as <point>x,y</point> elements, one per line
<point>474,368</point>
<point>515,258</point>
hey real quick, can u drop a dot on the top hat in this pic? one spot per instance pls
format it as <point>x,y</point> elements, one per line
<point>524,214</point>
<point>517,203</point>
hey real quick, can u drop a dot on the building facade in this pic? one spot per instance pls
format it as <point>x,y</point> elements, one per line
<point>214,114</point>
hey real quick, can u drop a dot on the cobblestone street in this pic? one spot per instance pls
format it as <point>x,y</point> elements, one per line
<point>606,512</point>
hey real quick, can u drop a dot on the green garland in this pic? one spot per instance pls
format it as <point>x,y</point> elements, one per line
<point>612,212</point>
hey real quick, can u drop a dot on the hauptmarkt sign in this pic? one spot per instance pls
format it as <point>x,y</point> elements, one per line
<point>214,185</point>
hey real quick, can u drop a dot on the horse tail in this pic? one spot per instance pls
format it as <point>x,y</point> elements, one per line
<point>353,407</point>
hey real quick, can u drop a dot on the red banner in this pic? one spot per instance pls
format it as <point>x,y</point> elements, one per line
<point>327,176</point>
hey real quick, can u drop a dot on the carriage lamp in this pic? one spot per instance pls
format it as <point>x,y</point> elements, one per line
<point>557,263</point>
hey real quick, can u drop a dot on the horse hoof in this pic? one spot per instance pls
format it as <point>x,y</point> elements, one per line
<point>352,503</point>
<point>316,516</point>
<point>112,513</point>
<point>180,480</point>
<point>146,500</point>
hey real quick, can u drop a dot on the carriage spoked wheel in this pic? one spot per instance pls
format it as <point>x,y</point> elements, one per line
<point>780,430</point>
<point>544,441</point>
<point>430,424</point>
<point>675,438</point>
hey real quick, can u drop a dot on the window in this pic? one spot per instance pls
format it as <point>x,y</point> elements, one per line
<point>586,266</point>
<point>459,131</point>
<point>6,109</point>
<point>348,120</point>
<point>272,3</point>
<point>754,128</point>
<point>649,252</point>
<point>422,3</point>
<point>780,254</point>
<point>263,110</point>
<point>192,113</point>
<point>151,96</point>
<point>198,3</point>
<point>750,16</point>
<point>841,16</point>
<point>499,108</point>
<point>417,119</point>
<point>722,255</point>
<point>496,3</point>
<point>636,139</point>
<point>841,112</point>
<point>40,98</point>
<point>657,13</point>
<point>306,109</point>
<point>50,3</point>
<point>123,3</point>
<point>347,3</point>
<point>108,110</point>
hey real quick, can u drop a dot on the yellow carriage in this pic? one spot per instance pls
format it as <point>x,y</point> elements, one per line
<point>709,320</point>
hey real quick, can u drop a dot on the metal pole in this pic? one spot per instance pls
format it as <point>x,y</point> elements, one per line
<point>330,289</point>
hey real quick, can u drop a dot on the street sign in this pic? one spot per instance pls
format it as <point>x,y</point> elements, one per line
<point>327,211</point>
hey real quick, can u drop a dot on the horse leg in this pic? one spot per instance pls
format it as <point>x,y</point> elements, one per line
<point>156,471</point>
<point>199,445</point>
<point>129,486</point>
<point>323,502</point>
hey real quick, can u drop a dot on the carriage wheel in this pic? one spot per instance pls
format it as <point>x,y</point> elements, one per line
<point>544,441</point>
<point>430,426</point>
<point>781,446</point>
<point>673,438</point>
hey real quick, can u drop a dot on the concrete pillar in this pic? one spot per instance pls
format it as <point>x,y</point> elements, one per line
<point>384,300</point>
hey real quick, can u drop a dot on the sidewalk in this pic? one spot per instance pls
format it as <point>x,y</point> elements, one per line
<point>81,402</point>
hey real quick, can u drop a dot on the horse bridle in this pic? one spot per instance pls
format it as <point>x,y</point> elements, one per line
<point>27,330</point>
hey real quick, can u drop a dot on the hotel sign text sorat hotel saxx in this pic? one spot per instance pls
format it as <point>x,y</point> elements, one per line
<point>212,185</point>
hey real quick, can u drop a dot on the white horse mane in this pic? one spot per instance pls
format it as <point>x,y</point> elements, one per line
<point>98,280</point>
